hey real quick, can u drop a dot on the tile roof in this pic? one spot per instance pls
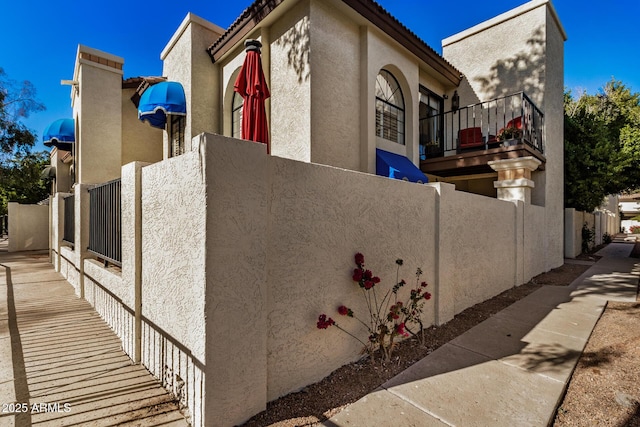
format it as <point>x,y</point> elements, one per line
<point>369,9</point>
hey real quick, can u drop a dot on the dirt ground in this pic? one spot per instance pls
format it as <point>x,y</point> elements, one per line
<point>319,402</point>
<point>605,387</point>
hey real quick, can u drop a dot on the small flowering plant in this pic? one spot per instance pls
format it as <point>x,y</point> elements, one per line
<point>389,318</point>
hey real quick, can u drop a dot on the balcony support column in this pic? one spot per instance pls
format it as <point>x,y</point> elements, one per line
<point>514,178</point>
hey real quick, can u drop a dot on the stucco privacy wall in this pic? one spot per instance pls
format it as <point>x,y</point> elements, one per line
<point>319,218</point>
<point>476,232</point>
<point>573,223</point>
<point>28,227</point>
<point>527,54</point>
<point>605,222</point>
<point>534,241</point>
<point>173,234</point>
<point>241,251</point>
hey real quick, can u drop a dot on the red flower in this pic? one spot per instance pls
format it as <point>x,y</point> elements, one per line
<point>400,330</point>
<point>424,284</point>
<point>324,322</point>
<point>375,279</point>
<point>368,284</point>
<point>368,274</point>
<point>359,259</point>
<point>427,296</point>
<point>357,274</point>
<point>345,311</point>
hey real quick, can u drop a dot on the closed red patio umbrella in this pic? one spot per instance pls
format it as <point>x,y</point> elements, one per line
<point>251,85</point>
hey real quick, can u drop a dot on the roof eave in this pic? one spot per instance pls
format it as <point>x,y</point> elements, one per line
<point>369,9</point>
<point>378,16</point>
<point>237,32</point>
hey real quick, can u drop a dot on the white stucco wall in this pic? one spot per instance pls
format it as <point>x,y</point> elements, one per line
<point>290,85</point>
<point>237,225</point>
<point>185,60</point>
<point>98,113</point>
<point>478,248</point>
<point>62,181</point>
<point>173,216</point>
<point>534,241</point>
<point>320,217</point>
<point>573,222</point>
<point>527,54</point>
<point>335,88</point>
<point>28,227</point>
<point>173,234</point>
<point>140,141</point>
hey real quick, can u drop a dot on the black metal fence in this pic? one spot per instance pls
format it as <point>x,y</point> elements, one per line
<point>105,232</point>
<point>509,120</point>
<point>68,233</point>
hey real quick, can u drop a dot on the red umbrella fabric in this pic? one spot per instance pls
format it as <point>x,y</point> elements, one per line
<point>251,85</point>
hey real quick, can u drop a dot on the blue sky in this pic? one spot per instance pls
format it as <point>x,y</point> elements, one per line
<point>41,37</point>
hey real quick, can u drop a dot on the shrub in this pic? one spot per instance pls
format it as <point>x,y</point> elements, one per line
<point>389,319</point>
<point>588,237</point>
<point>634,229</point>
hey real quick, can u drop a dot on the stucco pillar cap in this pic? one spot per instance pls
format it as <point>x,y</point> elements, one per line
<point>514,183</point>
<point>529,162</point>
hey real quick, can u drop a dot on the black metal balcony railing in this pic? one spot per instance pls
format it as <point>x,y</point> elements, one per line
<point>501,122</point>
<point>68,232</point>
<point>105,233</point>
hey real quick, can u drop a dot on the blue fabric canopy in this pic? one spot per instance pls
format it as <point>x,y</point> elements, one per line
<point>159,100</point>
<point>398,167</point>
<point>61,134</point>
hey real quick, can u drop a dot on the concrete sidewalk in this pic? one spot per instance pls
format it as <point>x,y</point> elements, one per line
<point>510,370</point>
<point>60,362</point>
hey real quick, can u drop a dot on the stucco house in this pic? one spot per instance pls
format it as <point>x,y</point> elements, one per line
<point>211,258</point>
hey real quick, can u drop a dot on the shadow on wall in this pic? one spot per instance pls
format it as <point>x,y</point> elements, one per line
<point>523,71</point>
<point>296,43</point>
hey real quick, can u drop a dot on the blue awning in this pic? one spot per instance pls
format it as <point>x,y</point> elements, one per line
<point>61,134</point>
<point>159,100</point>
<point>398,167</point>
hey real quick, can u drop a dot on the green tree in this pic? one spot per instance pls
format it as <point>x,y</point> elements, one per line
<point>602,145</point>
<point>20,179</point>
<point>19,167</point>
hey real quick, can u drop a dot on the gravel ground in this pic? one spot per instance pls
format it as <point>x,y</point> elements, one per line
<point>605,387</point>
<point>319,402</point>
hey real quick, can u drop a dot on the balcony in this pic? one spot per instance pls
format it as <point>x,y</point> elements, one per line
<point>461,142</point>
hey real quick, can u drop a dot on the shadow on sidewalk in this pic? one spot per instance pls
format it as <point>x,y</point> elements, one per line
<point>21,388</point>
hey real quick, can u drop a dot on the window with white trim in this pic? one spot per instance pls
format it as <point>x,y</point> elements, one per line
<point>236,115</point>
<point>389,108</point>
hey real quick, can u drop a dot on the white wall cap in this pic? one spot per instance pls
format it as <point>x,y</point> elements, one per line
<point>100,53</point>
<point>520,10</point>
<point>190,18</point>
<point>528,162</point>
<point>96,52</point>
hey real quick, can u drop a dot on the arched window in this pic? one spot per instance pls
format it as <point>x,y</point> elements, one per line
<point>389,108</point>
<point>236,115</point>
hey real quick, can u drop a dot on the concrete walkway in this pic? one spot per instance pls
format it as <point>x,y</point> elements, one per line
<point>510,370</point>
<point>61,362</point>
